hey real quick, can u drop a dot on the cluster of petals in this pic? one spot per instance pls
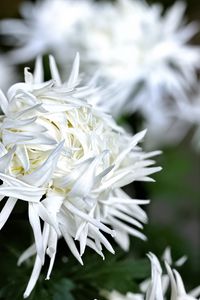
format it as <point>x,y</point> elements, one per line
<point>136,44</point>
<point>145,54</point>
<point>68,161</point>
<point>158,285</point>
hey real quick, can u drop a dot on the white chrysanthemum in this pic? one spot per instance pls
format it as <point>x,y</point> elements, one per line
<point>69,161</point>
<point>158,285</point>
<point>145,51</point>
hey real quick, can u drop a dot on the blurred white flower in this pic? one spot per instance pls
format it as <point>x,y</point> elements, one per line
<point>69,161</point>
<point>167,257</point>
<point>145,51</point>
<point>157,287</point>
<point>46,27</point>
<point>161,82</point>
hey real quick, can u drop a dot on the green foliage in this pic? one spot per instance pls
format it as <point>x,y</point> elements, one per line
<point>59,289</point>
<point>70,280</point>
<point>112,273</point>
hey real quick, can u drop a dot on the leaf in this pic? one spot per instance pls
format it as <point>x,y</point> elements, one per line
<point>108,274</point>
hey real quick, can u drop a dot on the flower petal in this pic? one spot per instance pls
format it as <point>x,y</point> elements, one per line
<point>6,211</point>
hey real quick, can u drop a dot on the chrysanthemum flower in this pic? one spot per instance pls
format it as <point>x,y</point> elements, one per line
<point>147,52</point>
<point>158,285</point>
<point>68,161</point>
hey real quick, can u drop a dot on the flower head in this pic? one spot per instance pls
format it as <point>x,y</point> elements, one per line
<point>69,161</point>
<point>146,52</point>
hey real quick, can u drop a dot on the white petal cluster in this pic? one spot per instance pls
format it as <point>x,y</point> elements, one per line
<point>146,51</point>
<point>135,44</point>
<point>158,285</point>
<point>68,161</point>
